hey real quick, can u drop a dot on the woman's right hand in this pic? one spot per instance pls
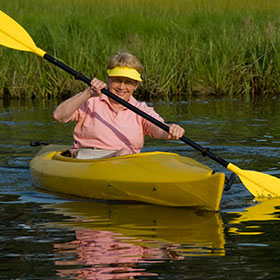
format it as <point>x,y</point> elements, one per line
<point>96,87</point>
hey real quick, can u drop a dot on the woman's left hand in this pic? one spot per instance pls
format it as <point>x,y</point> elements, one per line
<point>175,131</point>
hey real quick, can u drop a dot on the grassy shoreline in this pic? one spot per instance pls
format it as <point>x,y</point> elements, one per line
<point>187,47</point>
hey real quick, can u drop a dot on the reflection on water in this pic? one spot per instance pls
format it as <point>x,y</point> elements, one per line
<point>248,221</point>
<point>112,240</point>
<point>99,254</point>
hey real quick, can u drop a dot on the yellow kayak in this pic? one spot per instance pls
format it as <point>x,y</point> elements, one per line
<point>154,177</point>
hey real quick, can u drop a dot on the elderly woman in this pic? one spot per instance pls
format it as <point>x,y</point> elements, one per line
<point>105,128</point>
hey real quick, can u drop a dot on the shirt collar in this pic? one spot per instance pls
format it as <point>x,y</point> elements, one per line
<point>105,98</point>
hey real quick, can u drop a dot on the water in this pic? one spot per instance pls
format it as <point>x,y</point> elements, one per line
<point>50,236</point>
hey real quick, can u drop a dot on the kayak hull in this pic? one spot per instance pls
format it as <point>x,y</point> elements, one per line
<point>156,177</point>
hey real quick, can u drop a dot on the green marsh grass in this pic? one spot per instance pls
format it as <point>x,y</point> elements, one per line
<point>187,47</point>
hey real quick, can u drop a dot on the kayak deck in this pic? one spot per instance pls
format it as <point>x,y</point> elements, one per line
<point>154,177</point>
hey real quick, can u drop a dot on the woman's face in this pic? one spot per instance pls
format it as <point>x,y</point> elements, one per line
<point>122,87</point>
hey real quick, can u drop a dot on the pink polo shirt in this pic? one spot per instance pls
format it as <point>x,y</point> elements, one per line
<point>99,126</point>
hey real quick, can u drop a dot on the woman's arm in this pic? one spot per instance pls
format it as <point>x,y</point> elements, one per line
<point>67,108</point>
<point>175,132</point>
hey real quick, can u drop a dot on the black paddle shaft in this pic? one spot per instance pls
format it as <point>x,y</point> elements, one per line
<point>81,77</point>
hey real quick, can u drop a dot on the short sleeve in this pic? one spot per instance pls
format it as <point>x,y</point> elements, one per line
<point>79,113</point>
<point>147,125</point>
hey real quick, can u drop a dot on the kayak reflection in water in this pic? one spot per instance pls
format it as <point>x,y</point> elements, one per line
<point>105,128</point>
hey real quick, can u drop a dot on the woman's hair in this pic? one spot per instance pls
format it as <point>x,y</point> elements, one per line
<point>125,60</point>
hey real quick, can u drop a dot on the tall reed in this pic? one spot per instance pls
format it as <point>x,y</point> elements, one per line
<point>187,47</point>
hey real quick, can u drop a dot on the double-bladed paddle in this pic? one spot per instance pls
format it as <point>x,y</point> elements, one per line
<point>12,35</point>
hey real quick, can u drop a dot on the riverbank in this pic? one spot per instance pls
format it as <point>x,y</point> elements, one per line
<point>187,47</point>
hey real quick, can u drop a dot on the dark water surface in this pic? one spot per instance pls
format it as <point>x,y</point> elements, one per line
<point>49,236</point>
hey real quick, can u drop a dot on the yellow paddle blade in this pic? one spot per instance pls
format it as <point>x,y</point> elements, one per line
<point>13,36</point>
<point>258,184</point>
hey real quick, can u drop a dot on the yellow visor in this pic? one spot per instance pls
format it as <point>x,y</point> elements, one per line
<point>125,72</point>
